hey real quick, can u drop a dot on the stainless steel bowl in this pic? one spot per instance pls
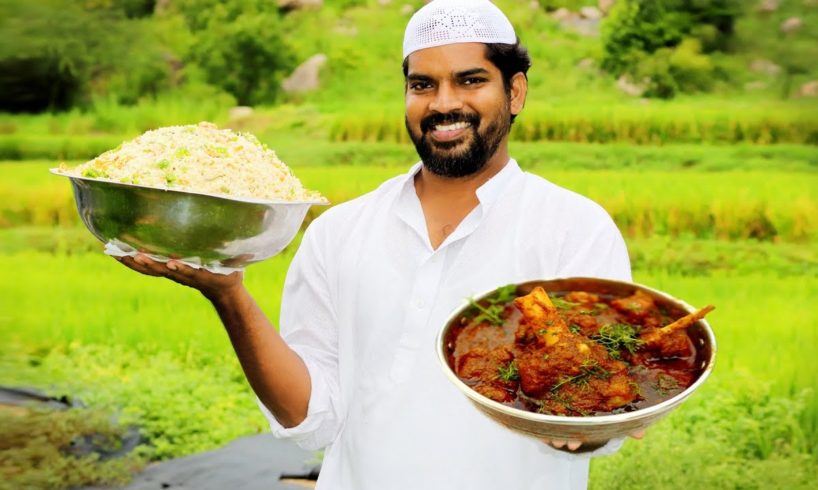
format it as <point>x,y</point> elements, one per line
<point>594,431</point>
<point>198,228</point>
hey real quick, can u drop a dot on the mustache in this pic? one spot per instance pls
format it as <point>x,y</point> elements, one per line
<point>429,122</point>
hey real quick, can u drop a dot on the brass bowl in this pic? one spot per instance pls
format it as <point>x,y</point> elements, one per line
<point>594,431</point>
<point>198,228</point>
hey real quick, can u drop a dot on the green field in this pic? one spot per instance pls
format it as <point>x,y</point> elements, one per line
<point>714,232</point>
<point>715,190</point>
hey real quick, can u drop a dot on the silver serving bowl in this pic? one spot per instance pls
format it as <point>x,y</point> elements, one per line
<point>198,228</point>
<point>594,431</point>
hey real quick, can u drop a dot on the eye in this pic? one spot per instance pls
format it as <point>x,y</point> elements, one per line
<point>474,81</point>
<point>420,86</point>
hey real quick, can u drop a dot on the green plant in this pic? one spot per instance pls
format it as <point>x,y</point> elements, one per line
<point>58,52</point>
<point>44,449</point>
<point>240,47</point>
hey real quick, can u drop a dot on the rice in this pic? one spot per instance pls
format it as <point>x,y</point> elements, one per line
<point>199,158</point>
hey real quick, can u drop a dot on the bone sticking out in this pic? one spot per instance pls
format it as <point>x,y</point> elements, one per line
<point>687,320</point>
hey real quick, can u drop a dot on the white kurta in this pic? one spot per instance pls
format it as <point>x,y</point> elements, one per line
<point>364,299</point>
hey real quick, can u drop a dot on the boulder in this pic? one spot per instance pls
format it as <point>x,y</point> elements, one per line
<point>562,14</point>
<point>809,89</point>
<point>766,67</point>
<point>590,13</point>
<point>605,5</point>
<point>626,85</point>
<point>407,9</point>
<point>384,3</point>
<point>791,25</point>
<point>755,86</point>
<point>582,26</point>
<point>768,6</point>
<point>240,113</point>
<point>585,64</point>
<point>305,77</point>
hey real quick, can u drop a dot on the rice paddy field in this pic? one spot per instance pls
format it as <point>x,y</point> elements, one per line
<point>735,226</point>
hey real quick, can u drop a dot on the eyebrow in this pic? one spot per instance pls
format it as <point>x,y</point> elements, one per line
<point>418,77</point>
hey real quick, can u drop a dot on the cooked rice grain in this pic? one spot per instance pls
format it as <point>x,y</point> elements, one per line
<point>199,158</point>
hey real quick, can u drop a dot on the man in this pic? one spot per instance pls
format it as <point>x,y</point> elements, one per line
<point>375,278</point>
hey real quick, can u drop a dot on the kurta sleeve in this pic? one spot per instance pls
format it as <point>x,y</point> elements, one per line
<point>595,249</point>
<point>308,325</point>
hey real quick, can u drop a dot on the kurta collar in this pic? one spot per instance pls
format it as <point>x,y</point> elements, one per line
<point>410,211</point>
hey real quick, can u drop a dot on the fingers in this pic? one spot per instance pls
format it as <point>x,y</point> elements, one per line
<point>638,434</point>
<point>559,444</point>
<point>173,269</point>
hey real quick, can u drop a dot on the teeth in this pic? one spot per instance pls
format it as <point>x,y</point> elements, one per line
<point>452,127</point>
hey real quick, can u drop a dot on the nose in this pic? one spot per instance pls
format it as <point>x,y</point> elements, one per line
<point>447,99</point>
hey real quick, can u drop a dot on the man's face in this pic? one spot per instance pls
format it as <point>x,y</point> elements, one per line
<point>457,109</point>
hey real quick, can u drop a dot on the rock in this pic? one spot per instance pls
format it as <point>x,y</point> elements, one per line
<point>161,7</point>
<point>768,6</point>
<point>534,4</point>
<point>299,4</point>
<point>809,89</point>
<point>305,77</point>
<point>766,67</point>
<point>384,3</point>
<point>585,64</point>
<point>626,85</point>
<point>755,86</point>
<point>791,25</point>
<point>590,13</point>
<point>584,27</point>
<point>407,9</point>
<point>605,5</point>
<point>346,27</point>
<point>562,14</point>
<point>810,3</point>
<point>240,113</point>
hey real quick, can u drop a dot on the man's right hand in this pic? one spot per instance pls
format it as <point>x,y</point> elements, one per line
<point>212,285</point>
<point>275,372</point>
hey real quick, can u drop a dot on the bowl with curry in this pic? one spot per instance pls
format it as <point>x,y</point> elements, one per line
<point>577,358</point>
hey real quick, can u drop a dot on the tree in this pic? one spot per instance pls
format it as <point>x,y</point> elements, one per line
<point>239,46</point>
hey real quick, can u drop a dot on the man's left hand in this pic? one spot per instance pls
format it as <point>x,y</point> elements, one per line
<point>574,445</point>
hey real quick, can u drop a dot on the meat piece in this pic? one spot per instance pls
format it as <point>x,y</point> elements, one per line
<point>582,297</point>
<point>495,392</point>
<point>493,371</point>
<point>636,306</point>
<point>483,364</point>
<point>587,324</point>
<point>672,340</point>
<point>554,359</point>
<point>651,336</point>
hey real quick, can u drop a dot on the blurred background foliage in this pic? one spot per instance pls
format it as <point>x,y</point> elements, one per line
<point>694,123</point>
<point>64,54</point>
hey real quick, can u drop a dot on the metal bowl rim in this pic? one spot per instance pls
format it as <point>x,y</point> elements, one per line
<point>249,200</point>
<point>572,421</point>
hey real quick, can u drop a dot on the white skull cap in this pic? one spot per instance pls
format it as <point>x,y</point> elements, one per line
<point>442,22</point>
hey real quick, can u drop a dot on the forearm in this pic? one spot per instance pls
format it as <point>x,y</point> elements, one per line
<point>275,372</point>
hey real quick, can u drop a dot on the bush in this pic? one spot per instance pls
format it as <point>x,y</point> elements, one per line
<point>665,41</point>
<point>239,47</point>
<point>671,70</point>
<point>57,53</point>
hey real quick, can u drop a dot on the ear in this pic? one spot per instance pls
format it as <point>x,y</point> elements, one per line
<point>519,89</point>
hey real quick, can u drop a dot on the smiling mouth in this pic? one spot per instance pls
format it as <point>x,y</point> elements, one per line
<point>449,132</point>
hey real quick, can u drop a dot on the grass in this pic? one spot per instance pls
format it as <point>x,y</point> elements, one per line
<point>761,311</point>
<point>730,205</point>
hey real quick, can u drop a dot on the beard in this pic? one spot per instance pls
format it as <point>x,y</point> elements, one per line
<point>444,159</point>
